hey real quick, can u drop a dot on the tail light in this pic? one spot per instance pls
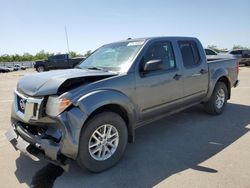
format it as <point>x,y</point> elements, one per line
<point>238,67</point>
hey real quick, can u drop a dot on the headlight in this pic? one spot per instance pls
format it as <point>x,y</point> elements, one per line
<point>56,105</point>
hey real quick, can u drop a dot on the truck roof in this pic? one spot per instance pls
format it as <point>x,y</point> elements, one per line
<point>159,38</point>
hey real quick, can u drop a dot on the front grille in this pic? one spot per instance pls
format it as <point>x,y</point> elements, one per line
<point>26,107</point>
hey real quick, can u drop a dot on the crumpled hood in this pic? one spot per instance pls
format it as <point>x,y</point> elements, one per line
<point>48,83</point>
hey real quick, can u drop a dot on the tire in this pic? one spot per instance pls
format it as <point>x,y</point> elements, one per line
<point>213,106</point>
<point>92,161</point>
<point>40,68</point>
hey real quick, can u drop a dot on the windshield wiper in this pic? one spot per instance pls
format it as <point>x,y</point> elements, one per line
<point>97,68</point>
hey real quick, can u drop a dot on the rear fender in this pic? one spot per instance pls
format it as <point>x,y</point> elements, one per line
<point>219,73</point>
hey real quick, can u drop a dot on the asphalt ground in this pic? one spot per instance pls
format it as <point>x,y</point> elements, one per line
<point>187,149</point>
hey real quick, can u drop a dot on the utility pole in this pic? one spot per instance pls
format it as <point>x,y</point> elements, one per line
<point>67,38</point>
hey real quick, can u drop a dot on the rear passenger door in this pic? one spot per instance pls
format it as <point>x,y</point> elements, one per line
<point>195,74</point>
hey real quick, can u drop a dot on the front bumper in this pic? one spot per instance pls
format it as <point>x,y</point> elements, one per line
<point>34,147</point>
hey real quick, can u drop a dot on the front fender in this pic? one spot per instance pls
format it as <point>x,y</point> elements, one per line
<point>97,99</point>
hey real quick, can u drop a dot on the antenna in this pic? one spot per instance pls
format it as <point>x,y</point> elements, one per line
<point>66,34</point>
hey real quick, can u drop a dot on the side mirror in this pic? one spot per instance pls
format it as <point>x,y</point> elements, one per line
<point>153,65</point>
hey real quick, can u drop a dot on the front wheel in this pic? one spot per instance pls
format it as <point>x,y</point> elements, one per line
<point>103,141</point>
<point>40,68</point>
<point>218,100</point>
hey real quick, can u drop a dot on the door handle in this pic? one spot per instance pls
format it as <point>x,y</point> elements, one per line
<point>177,76</point>
<point>203,71</point>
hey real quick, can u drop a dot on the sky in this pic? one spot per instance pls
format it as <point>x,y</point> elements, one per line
<point>35,25</point>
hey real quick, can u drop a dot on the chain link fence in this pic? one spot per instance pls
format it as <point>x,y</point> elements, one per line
<point>29,64</point>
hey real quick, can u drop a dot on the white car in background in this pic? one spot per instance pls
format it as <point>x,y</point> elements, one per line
<point>20,67</point>
<point>212,55</point>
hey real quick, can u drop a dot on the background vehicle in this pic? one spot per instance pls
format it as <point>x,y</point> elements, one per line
<point>89,114</point>
<point>11,68</point>
<point>244,56</point>
<point>212,55</point>
<point>4,69</point>
<point>20,67</point>
<point>61,61</point>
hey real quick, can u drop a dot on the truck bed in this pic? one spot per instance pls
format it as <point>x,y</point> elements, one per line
<point>229,65</point>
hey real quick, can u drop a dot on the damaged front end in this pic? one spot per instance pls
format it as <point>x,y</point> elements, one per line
<point>42,136</point>
<point>45,124</point>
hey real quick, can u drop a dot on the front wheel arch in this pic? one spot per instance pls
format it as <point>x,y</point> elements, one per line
<point>121,112</point>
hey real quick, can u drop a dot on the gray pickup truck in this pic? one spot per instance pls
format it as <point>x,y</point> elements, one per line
<point>89,113</point>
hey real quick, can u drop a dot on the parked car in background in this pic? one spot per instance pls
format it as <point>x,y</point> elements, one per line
<point>212,55</point>
<point>243,55</point>
<point>89,113</point>
<point>4,69</point>
<point>61,61</point>
<point>20,67</point>
<point>11,68</point>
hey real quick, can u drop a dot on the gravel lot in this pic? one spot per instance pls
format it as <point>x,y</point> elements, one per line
<point>188,149</point>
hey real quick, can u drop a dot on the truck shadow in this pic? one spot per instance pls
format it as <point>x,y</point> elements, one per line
<point>163,148</point>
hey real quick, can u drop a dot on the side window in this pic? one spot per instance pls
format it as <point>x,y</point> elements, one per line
<point>245,53</point>
<point>190,53</point>
<point>61,57</point>
<point>163,51</point>
<point>236,52</point>
<point>56,57</point>
<point>209,52</point>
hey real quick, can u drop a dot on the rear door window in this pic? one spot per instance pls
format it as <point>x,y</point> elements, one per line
<point>60,57</point>
<point>190,53</point>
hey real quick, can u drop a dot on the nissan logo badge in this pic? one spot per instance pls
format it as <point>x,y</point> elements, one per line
<point>22,104</point>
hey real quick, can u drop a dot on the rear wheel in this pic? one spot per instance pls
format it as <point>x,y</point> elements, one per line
<point>103,141</point>
<point>218,100</point>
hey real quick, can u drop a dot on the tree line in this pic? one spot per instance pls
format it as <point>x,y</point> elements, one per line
<point>235,47</point>
<point>44,55</point>
<point>38,56</point>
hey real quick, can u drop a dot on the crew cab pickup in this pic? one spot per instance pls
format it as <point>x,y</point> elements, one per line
<point>61,61</point>
<point>89,113</point>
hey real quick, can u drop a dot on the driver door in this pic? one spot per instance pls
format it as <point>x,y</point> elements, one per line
<point>159,91</point>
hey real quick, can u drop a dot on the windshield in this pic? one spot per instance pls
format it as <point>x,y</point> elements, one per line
<point>113,57</point>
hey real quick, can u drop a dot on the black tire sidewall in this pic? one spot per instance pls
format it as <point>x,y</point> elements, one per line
<point>84,157</point>
<point>219,85</point>
<point>37,69</point>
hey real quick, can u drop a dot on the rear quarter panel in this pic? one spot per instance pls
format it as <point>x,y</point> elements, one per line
<point>218,69</point>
